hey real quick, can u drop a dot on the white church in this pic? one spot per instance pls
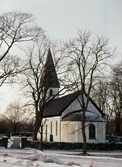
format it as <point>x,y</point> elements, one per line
<point>62,115</point>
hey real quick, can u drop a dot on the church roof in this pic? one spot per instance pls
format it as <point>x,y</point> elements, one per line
<point>89,117</point>
<point>49,77</point>
<point>57,106</point>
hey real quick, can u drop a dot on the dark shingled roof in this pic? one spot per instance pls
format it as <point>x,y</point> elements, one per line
<point>49,77</point>
<point>57,106</point>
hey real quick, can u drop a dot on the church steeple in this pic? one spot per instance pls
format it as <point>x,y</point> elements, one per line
<point>49,79</point>
<point>49,76</point>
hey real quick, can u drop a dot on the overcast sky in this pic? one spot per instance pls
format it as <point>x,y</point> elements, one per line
<point>61,18</point>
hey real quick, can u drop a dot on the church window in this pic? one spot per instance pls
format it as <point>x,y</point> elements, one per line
<point>51,92</point>
<point>46,132</point>
<point>56,128</point>
<point>51,128</point>
<point>92,131</point>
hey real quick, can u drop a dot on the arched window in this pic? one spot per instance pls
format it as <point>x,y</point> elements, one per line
<point>56,132</point>
<point>92,131</point>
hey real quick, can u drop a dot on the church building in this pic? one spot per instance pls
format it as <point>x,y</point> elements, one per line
<point>62,115</point>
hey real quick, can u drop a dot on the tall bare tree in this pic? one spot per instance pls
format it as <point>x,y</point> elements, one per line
<point>86,54</point>
<point>30,81</point>
<point>15,115</point>
<point>15,28</point>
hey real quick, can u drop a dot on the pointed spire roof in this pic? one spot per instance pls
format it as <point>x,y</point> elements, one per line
<point>49,77</point>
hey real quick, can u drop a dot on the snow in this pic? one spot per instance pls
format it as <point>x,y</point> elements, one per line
<point>36,158</point>
<point>56,158</point>
<point>27,157</point>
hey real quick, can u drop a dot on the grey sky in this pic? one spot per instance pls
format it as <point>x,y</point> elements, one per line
<point>61,18</point>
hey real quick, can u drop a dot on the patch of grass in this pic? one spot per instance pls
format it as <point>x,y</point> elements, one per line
<point>72,163</point>
<point>117,156</point>
<point>34,159</point>
<point>47,160</point>
<point>5,155</point>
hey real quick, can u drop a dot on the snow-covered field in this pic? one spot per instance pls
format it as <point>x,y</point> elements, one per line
<point>50,158</point>
<point>36,158</point>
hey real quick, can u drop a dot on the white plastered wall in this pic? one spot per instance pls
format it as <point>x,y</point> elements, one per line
<point>71,132</point>
<point>55,132</point>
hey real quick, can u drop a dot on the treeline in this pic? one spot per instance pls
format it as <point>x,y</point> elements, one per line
<point>14,128</point>
<point>108,95</point>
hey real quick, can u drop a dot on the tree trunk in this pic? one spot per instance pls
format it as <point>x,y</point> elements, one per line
<point>35,131</point>
<point>37,125</point>
<point>84,108</point>
<point>38,128</point>
<point>84,134</point>
<point>118,124</point>
<point>41,139</point>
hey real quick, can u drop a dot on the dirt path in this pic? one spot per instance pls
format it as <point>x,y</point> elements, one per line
<point>16,143</point>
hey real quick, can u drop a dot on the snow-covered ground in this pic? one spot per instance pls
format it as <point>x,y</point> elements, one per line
<point>36,158</point>
<point>50,158</point>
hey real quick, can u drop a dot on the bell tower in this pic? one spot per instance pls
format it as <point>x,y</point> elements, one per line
<point>49,79</point>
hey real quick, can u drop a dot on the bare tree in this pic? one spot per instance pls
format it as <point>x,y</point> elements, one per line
<point>4,125</point>
<point>9,67</point>
<point>86,54</point>
<point>115,98</point>
<point>108,97</point>
<point>30,81</point>
<point>15,115</point>
<point>100,94</point>
<point>15,28</point>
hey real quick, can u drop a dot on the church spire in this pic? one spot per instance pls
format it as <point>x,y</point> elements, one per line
<point>49,77</point>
